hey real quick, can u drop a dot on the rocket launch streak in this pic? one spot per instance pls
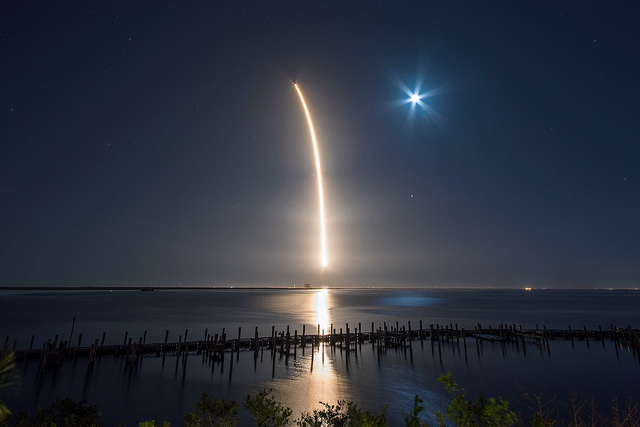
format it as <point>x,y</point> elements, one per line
<point>319,173</point>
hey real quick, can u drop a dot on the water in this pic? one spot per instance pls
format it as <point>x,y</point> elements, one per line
<point>164,390</point>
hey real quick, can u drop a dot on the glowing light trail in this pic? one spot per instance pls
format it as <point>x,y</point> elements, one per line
<point>319,173</point>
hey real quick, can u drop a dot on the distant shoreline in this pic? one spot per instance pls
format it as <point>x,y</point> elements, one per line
<point>140,288</point>
<point>284,288</point>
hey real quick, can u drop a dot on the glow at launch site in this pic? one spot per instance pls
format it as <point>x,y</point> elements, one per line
<point>319,173</point>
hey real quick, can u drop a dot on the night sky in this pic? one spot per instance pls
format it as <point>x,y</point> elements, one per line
<point>163,143</point>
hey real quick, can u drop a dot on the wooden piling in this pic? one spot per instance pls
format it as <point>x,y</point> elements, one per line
<point>255,342</point>
<point>273,338</point>
<point>399,337</point>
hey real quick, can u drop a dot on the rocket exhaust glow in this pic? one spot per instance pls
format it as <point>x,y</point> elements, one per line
<point>319,173</point>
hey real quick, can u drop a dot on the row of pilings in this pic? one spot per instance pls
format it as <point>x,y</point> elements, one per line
<point>214,346</point>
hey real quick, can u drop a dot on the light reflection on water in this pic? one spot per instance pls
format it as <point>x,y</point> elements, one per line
<point>320,300</point>
<point>315,379</point>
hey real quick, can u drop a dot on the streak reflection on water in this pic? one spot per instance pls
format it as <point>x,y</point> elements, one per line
<point>316,379</point>
<point>320,300</point>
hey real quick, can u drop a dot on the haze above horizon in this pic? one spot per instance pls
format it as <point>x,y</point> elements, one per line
<point>463,144</point>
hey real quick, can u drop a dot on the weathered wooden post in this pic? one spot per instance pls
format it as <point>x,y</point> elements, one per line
<point>43,355</point>
<point>345,337</point>
<point>372,338</point>
<point>91,357</point>
<point>137,352</point>
<point>613,332</point>
<point>273,338</point>
<point>312,354</point>
<point>331,332</point>
<point>586,335</point>
<point>355,344</point>
<point>255,342</point>
<point>601,335</point>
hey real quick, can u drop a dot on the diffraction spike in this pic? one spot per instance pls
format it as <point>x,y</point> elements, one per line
<point>319,174</point>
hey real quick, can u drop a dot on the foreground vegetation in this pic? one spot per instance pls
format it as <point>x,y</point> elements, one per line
<point>266,411</point>
<point>7,379</point>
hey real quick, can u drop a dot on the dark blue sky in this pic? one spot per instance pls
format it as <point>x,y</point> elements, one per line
<point>158,143</point>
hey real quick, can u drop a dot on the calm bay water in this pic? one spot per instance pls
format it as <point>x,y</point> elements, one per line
<point>164,391</point>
